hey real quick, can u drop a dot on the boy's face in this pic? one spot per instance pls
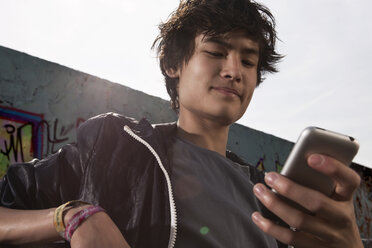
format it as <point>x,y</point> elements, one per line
<point>218,81</point>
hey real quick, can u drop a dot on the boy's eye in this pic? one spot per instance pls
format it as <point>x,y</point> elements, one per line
<point>215,54</point>
<point>247,63</point>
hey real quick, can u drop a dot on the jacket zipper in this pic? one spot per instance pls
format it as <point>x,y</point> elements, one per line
<point>173,212</point>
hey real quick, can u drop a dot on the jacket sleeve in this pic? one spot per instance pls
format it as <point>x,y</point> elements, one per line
<point>51,181</point>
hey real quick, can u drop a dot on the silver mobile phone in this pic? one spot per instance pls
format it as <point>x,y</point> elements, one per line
<point>318,140</point>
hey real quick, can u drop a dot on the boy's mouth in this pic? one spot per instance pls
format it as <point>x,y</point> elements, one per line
<point>227,91</point>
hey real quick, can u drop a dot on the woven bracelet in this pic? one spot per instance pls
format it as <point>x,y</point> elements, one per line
<point>78,219</point>
<point>60,212</point>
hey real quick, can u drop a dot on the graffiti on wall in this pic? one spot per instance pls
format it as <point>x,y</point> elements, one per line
<point>25,135</point>
<point>260,165</point>
<point>20,139</point>
<point>363,201</point>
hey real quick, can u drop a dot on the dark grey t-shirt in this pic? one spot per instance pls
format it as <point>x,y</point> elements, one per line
<point>214,200</point>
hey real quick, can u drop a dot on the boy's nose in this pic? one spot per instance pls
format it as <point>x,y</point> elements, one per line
<point>232,69</point>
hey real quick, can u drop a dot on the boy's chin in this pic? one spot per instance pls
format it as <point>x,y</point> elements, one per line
<point>227,119</point>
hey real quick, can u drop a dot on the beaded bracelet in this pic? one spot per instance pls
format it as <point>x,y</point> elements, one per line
<point>61,211</point>
<point>78,219</point>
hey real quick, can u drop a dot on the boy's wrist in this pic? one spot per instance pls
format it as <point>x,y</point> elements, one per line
<point>60,213</point>
<point>72,211</point>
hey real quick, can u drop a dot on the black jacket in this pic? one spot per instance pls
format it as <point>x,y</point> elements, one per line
<point>124,171</point>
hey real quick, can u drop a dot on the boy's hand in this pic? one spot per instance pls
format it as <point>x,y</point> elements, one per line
<point>332,223</point>
<point>96,231</point>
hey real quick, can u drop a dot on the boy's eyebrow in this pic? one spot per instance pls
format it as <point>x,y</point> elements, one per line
<point>217,40</point>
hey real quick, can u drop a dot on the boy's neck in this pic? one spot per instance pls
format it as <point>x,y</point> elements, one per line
<point>204,133</point>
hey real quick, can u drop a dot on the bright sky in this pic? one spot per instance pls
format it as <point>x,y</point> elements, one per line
<point>324,79</point>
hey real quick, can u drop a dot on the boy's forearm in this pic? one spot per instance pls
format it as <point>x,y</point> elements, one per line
<point>27,226</point>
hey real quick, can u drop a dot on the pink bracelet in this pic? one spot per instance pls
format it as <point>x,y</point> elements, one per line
<point>78,219</point>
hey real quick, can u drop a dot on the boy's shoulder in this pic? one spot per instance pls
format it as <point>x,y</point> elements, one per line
<point>109,118</point>
<point>111,125</point>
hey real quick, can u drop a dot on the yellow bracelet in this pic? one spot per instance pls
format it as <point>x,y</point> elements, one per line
<point>59,225</point>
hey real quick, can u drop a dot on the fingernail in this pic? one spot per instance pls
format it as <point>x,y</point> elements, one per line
<point>258,190</point>
<point>316,160</point>
<point>256,217</point>
<point>271,178</point>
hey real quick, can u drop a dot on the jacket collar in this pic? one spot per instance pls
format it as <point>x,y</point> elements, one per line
<point>164,132</point>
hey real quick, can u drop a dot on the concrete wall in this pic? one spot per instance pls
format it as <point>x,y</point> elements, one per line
<point>43,103</point>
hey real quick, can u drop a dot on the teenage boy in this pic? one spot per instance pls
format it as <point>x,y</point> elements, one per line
<point>175,184</point>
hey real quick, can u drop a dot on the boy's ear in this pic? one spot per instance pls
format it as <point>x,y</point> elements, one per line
<point>172,73</point>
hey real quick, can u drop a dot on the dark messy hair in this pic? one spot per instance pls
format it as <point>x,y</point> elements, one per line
<point>175,43</point>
